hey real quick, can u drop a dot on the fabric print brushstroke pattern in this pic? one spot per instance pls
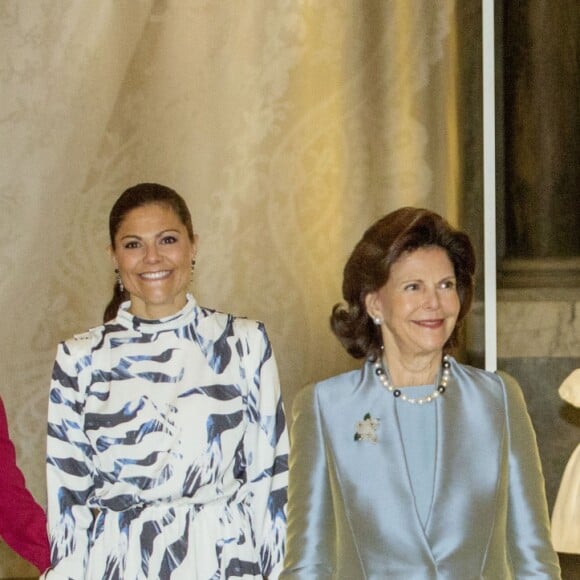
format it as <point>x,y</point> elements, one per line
<point>167,451</point>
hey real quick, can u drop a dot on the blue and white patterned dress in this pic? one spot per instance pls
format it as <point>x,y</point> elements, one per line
<point>167,451</point>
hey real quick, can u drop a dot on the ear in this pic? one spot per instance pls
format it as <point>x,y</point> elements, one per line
<point>373,305</point>
<point>111,253</point>
<point>194,246</point>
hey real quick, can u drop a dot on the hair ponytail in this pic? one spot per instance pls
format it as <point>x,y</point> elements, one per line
<point>119,296</point>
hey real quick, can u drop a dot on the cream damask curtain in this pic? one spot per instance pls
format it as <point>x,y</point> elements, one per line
<point>288,126</point>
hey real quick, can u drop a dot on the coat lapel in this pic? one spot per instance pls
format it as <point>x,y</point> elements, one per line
<point>461,518</point>
<point>373,477</point>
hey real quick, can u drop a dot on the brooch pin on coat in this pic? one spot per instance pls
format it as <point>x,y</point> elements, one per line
<point>366,430</point>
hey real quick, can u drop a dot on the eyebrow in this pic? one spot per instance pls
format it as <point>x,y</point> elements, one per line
<point>408,280</point>
<point>160,234</point>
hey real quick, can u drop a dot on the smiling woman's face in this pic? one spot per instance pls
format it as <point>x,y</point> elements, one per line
<point>419,303</point>
<point>153,254</point>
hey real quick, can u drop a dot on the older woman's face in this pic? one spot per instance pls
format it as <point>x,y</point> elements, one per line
<point>419,303</point>
<point>153,253</point>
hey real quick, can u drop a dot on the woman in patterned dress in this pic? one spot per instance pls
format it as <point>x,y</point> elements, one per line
<point>167,443</point>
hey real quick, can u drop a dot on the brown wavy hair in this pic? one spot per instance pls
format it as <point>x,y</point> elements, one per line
<point>367,270</point>
<point>134,197</point>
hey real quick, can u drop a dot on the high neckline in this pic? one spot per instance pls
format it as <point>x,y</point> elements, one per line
<point>146,326</point>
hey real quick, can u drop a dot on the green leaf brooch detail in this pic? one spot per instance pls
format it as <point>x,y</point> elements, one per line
<point>366,430</point>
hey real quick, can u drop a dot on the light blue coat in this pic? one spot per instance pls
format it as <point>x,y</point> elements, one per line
<point>351,511</point>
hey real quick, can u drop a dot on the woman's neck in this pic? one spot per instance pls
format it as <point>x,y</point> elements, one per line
<point>405,371</point>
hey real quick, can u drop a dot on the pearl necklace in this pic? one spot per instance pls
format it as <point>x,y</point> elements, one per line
<point>398,394</point>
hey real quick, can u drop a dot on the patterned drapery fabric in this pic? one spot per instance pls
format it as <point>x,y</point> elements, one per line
<point>288,127</point>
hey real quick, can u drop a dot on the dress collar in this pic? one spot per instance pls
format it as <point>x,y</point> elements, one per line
<point>177,320</point>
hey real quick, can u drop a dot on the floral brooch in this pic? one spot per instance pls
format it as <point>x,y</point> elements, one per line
<point>366,430</point>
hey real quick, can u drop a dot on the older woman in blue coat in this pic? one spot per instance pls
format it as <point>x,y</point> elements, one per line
<point>415,467</point>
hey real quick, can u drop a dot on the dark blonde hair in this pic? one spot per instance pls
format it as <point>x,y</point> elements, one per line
<point>137,196</point>
<point>367,270</point>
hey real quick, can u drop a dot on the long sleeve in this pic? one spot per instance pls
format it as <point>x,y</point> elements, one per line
<point>22,520</point>
<point>265,445</point>
<point>311,522</point>
<point>528,528</point>
<point>69,467</point>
